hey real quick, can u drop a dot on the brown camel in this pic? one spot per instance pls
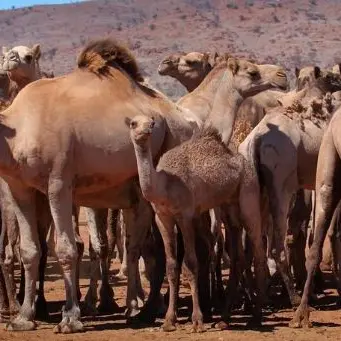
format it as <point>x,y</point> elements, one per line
<point>78,164</point>
<point>285,147</point>
<point>327,199</point>
<point>21,64</point>
<point>174,188</point>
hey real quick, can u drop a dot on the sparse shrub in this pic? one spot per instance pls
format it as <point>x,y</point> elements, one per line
<point>183,17</point>
<point>119,27</point>
<point>152,27</point>
<point>276,20</point>
<point>242,18</point>
<point>312,2</point>
<point>249,3</point>
<point>155,16</point>
<point>232,5</point>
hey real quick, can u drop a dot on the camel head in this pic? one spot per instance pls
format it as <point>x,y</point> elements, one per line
<point>189,69</point>
<point>141,128</point>
<point>249,78</point>
<point>306,76</point>
<point>22,61</point>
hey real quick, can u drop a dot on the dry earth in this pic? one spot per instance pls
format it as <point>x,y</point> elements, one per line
<point>327,323</point>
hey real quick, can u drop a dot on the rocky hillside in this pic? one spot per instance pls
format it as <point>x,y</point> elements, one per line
<point>288,32</point>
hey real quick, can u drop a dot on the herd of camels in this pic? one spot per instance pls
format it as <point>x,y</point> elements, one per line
<point>239,151</point>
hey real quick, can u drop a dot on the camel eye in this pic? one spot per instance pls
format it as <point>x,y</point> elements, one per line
<point>253,73</point>
<point>133,124</point>
<point>28,59</point>
<point>191,62</point>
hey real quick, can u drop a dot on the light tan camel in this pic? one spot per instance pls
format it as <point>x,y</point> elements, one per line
<point>80,164</point>
<point>285,147</point>
<point>327,198</point>
<point>21,64</point>
<point>192,68</point>
<point>183,186</point>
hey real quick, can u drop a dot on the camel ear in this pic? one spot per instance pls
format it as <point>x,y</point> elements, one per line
<point>127,121</point>
<point>36,51</point>
<point>297,72</point>
<point>280,103</point>
<point>5,50</point>
<point>212,57</point>
<point>317,72</point>
<point>233,65</point>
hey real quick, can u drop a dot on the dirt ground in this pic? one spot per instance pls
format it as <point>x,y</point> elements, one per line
<point>327,323</point>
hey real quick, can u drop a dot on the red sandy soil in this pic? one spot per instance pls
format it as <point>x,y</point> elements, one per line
<point>327,323</point>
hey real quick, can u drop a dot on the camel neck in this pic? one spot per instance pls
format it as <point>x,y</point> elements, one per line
<point>19,80</point>
<point>225,106</point>
<point>146,170</point>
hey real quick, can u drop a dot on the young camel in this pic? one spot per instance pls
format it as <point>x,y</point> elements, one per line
<point>328,190</point>
<point>286,150</point>
<point>182,186</point>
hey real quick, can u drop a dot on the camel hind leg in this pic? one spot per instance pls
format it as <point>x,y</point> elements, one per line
<point>328,195</point>
<point>250,211</point>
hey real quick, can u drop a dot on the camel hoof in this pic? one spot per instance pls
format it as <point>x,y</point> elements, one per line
<point>301,318</point>
<point>198,327</point>
<point>168,327</point>
<point>21,324</point>
<point>69,326</point>
<point>221,325</point>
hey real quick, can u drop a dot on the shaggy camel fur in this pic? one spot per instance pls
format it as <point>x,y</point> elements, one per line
<point>174,187</point>
<point>67,161</point>
<point>21,64</point>
<point>328,190</point>
<point>285,147</point>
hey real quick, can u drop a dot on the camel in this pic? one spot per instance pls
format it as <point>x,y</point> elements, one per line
<point>21,64</point>
<point>189,69</point>
<point>77,164</point>
<point>174,188</point>
<point>285,146</point>
<point>327,204</point>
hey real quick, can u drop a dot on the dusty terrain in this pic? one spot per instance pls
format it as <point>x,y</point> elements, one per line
<point>327,323</point>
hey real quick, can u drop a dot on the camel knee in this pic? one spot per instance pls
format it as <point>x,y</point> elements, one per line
<point>30,255</point>
<point>66,252</point>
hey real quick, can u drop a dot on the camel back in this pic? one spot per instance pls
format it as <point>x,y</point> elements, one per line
<point>101,55</point>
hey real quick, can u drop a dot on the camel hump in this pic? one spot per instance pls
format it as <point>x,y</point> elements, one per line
<point>100,55</point>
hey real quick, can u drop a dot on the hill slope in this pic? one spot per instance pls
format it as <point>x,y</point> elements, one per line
<point>291,32</point>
